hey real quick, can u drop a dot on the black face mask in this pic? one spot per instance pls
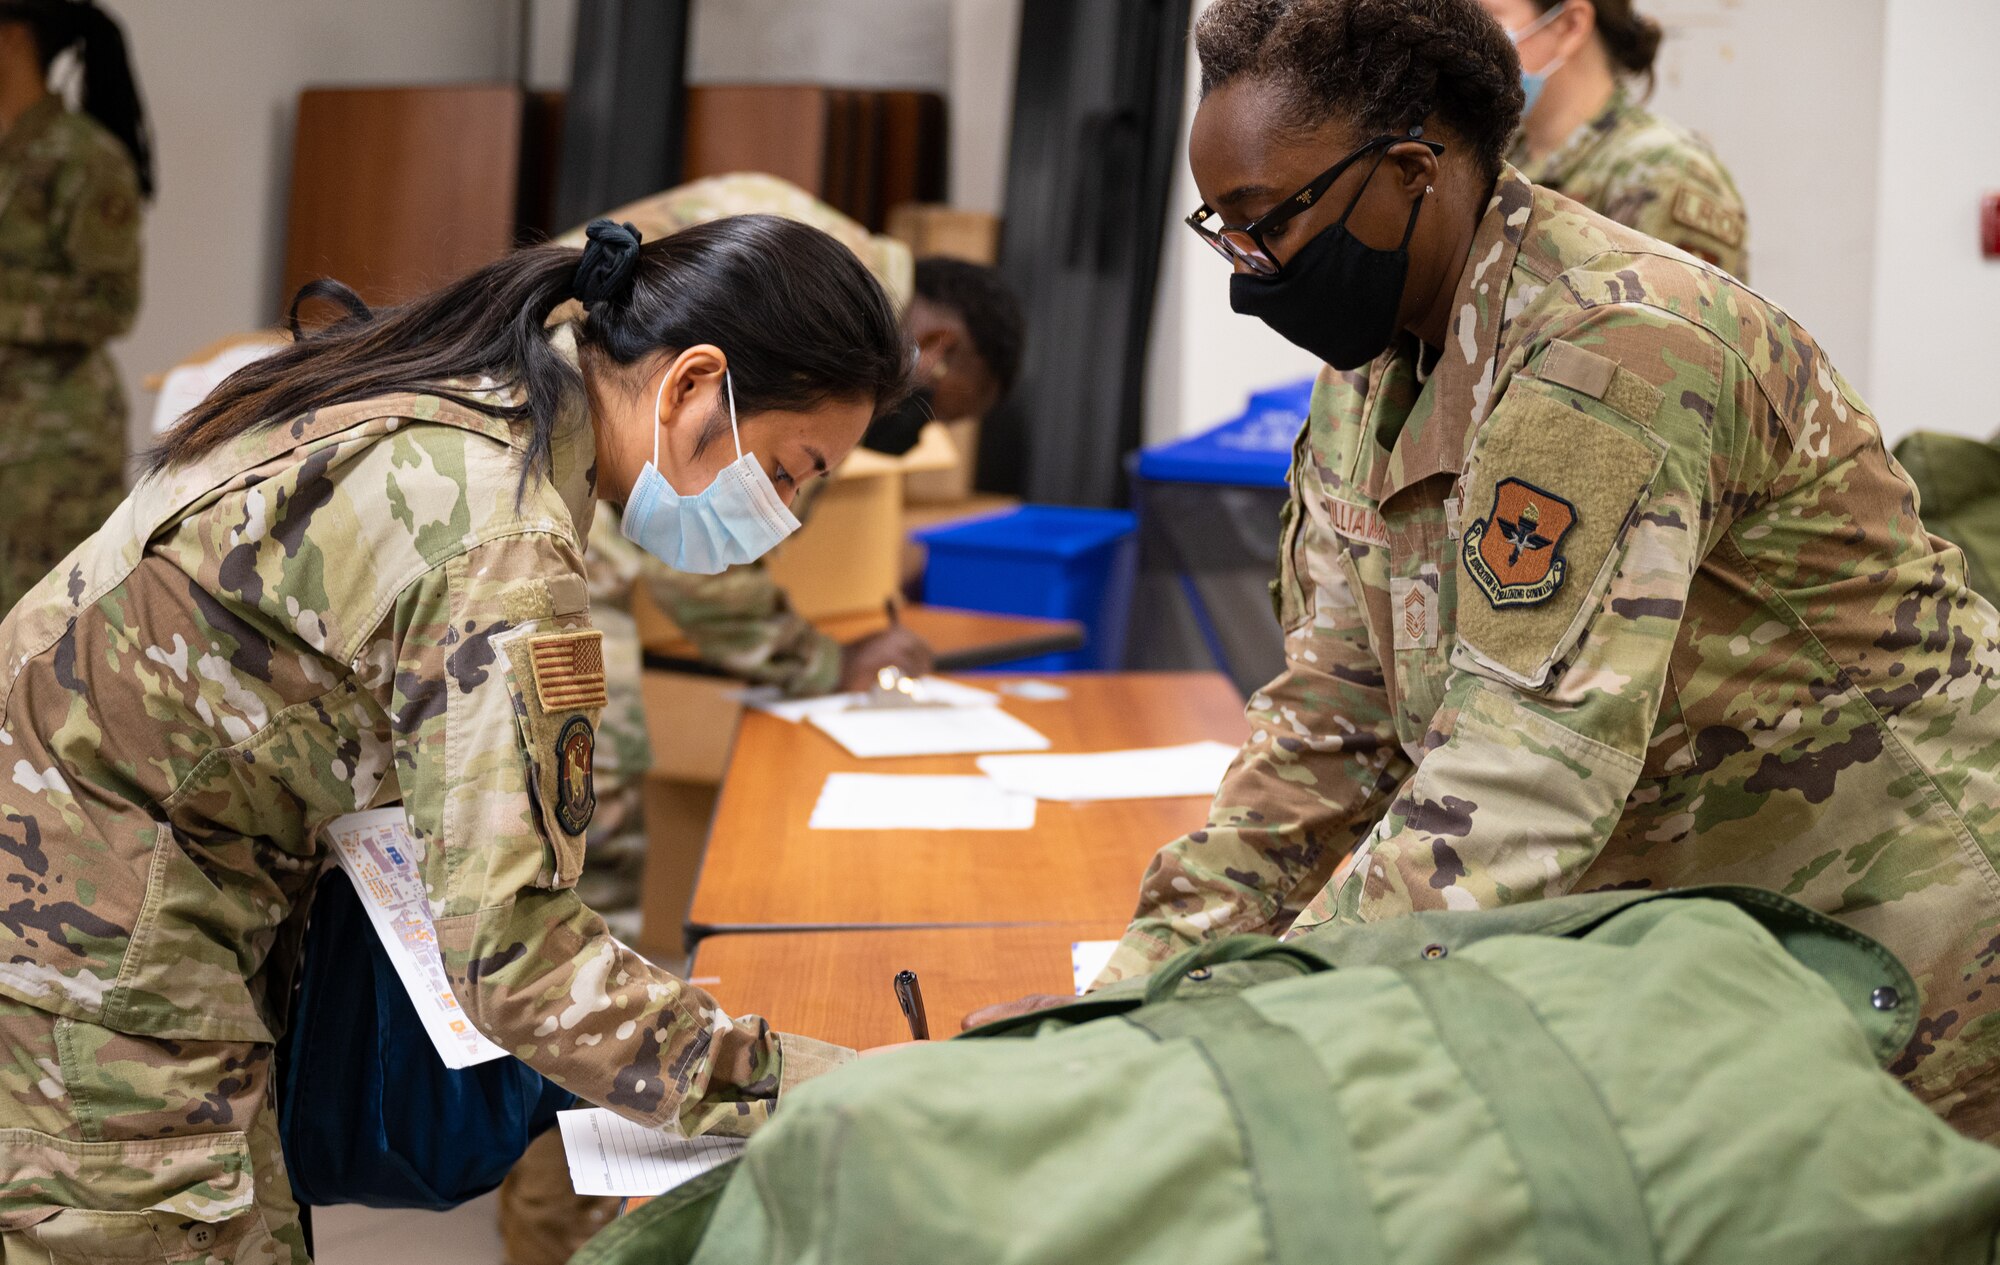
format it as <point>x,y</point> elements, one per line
<point>1337,298</point>
<point>896,431</point>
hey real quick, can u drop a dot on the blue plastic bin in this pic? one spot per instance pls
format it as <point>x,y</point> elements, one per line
<point>1252,450</point>
<point>1046,560</point>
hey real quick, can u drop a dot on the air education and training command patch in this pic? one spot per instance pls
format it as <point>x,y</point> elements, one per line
<point>1514,555</point>
<point>576,788</point>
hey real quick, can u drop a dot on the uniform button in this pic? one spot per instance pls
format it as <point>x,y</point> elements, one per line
<point>1199,973</point>
<point>1885,998</point>
<point>201,1237</point>
<point>1432,952</point>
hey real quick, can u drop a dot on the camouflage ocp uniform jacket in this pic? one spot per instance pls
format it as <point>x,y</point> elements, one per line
<point>1626,593</point>
<point>360,605</point>
<point>1630,165</point>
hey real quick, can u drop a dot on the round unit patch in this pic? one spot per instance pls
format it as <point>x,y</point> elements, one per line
<point>576,788</point>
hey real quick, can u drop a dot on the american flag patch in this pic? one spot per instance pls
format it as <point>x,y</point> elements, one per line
<point>569,670</point>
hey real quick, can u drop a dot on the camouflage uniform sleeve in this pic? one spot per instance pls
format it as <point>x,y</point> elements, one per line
<point>1557,682</point>
<point>494,697</point>
<point>96,296</point>
<point>741,621</point>
<point>1687,202</point>
<point>1321,760</point>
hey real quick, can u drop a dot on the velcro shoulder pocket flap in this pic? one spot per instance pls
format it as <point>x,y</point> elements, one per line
<point>1550,493</point>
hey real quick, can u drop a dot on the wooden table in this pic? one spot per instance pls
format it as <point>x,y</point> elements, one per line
<point>765,869</point>
<point>963,640</point>
<point>836,985</point>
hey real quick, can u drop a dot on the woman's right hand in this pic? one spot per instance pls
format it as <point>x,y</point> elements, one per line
<point>893,647</point>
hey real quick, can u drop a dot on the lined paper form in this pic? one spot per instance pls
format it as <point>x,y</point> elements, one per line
<point>899,731</point>
<point>1195,768</point>
<point>610,1155</point>
<point>891,801</point>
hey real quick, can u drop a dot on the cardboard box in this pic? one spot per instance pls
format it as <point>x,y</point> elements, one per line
<point>846,558</point>
<point>935,229</point>
<point>954,482</point>
<point>677,819</point>
<point>691,721</point>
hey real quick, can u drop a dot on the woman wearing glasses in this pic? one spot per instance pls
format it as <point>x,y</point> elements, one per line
<point>1595,573</point>
<point>1584,136</point>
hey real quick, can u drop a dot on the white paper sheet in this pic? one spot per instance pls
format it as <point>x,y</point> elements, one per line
<point>377,852</point>
<point>1087,959</point>
<point>610,1155</point>
<point>935,690</point>
<point>1154,773</point>
<point>891,801</point>
<point>897,731</point>
<point>1036,691</point>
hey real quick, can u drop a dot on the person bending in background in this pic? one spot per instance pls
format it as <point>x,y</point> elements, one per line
<point>1584,136</point>
<point>71,184</point>
<point>1595,574</point>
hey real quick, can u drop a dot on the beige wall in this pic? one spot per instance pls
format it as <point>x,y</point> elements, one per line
<point>857,43</point>
<point>1790,92</point>
<point>221,79</point>
<point>1937,313</point>
<point>984,37</point>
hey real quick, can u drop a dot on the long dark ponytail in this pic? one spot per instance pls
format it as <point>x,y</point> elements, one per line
<point>110,93</point>
<point>799,318</point>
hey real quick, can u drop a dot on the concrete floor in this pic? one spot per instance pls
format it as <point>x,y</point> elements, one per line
<point>467,1235</point>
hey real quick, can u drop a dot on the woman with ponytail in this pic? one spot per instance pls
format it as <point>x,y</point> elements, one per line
<point>71,183</point>
<point>353,576</point>
<point>1584,135</point>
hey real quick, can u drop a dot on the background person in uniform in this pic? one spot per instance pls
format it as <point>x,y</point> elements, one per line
<point>967,329</point>
<point>1584,136</point>
<point>354,575</point>
<point>70,191</point>
<point>1595,573</point>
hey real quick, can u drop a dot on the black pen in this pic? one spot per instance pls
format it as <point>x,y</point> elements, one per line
<point>911,998</point>
<point>889,605</point>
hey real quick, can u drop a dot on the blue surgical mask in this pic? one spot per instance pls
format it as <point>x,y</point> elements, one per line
<point>1532,82</point>
<point>736,519</point>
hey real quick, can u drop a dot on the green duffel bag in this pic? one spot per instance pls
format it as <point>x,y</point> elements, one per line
<point>1958,482</point>
<point>1679,1078</point>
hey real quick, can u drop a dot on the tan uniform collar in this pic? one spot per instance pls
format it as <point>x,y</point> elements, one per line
<point>1443,413</point>
<point>1564,160</point>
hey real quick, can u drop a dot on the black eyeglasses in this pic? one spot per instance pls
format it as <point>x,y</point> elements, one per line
<point>1246,245</point>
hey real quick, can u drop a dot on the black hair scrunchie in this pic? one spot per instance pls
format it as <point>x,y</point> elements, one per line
<point>609,262</point>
